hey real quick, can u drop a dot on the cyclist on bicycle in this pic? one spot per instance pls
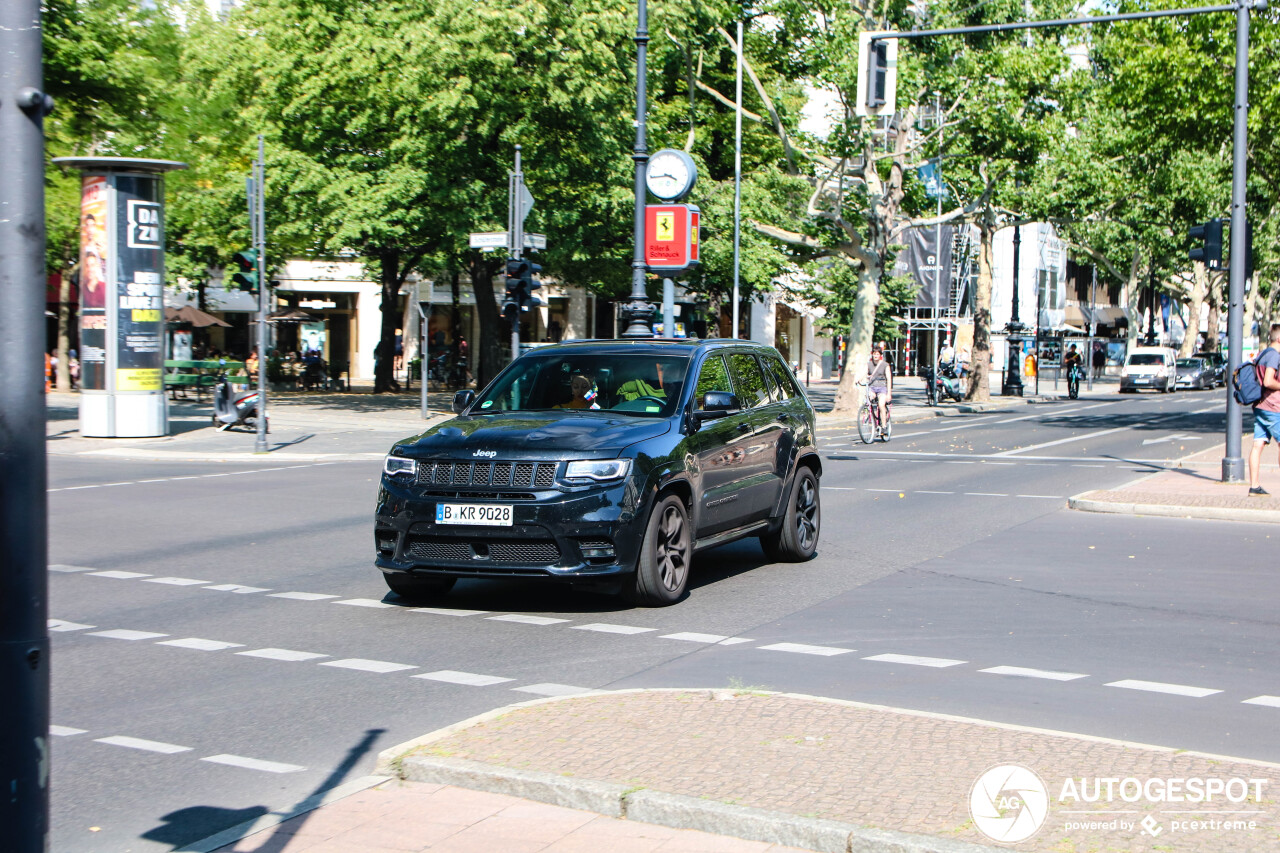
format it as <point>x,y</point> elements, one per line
<point>1074,364</point>
<point>880,384</point>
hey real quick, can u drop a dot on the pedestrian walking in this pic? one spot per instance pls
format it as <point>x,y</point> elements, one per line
<point>1099,360</point>
<point>1266,412</point>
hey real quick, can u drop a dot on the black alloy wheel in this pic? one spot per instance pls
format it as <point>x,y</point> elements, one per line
<point>663,570</point>
<point>796,540</point>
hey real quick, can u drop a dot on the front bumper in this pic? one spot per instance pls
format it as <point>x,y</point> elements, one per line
<point>576,534</point>
<point>1143,381</point>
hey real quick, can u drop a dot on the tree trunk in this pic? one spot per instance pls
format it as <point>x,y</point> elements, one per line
<point>488,349</point>
<point>980,355</point>
<point>849,394</point>
<point>1198,291</point>
<point>1131,295</point>
<point>384,353</point>
<point>63,373</point>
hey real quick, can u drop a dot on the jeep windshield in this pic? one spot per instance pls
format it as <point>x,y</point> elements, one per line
<point>631,383</point>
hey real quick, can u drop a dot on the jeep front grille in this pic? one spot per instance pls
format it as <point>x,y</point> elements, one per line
<point>519,475</point>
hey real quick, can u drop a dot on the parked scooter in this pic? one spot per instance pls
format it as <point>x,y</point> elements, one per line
<point>231,409</point>
<point>941,387</point>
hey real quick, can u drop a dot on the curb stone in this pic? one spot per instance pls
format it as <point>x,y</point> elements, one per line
<point>1212,513</point>
<point>676,811</point>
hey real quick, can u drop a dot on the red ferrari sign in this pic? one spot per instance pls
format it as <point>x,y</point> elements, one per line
<point>670,237</point>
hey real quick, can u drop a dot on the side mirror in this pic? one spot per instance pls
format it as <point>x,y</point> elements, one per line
<point>718,404</point>
<point>462,400</point>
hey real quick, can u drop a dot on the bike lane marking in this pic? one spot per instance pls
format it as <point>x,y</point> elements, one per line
<point>1161,687</point>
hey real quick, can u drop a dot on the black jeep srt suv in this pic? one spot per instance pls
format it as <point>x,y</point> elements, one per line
<point>608,464</point>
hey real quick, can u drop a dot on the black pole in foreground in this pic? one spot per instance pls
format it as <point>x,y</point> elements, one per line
<point>24,638</point>
<point>1013,358</point>
<point>639,309</point>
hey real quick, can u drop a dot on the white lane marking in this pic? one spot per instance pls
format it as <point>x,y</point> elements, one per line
<point>65,731</point>
<point>915,660</point>
<point>1049,497</point>
<point>1084,436</point>
<point>733,641</point>
<point>124,634</point>
<point>1269,701</point>
<point>471,679</point>
<point>527,620</point>
<point>139,743</point>
<point>841,488</point>
<point>369,665</point>
<point>124,576</point>
<point>1023,418</point>
<point>1207,411</point>
<point>692,637</point>
<point>1160,687</point>
<point>1041,464</point>
<point>58,567</point>
<point>254,764</point>
<point>281,654</point>
<point>200,644</point>
<point>302,596</point>
<point>804,649</point>
<point>989,462</point>
<point>176,581</point>
<point>236,588</point>
<point>1082,465</point>
<point>1094,406</point>
<point>445,611</point>
<point>1026,672</point>
<point>886,490</point>
<point>955,462</point>
<point>988,494</point>
<point>64,625</point>
<point>932,492</point>
<point>364,602</point>
<point>913,434</point>
<point>606,628</point>
<point>552,689</point>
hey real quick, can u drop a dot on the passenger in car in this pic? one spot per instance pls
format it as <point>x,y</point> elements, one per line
<point>584,393</point>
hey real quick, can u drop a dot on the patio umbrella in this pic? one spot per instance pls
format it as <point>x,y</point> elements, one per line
<point>288,315</point>
<point>194,316</point>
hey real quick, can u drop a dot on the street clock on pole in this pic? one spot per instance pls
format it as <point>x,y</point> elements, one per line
<point>671,174</point>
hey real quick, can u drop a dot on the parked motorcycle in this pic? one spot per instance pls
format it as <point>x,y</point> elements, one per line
<point>940,386</point>
<point>232,409</point>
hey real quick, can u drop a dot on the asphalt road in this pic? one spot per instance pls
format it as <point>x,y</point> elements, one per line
<point>225,647</point>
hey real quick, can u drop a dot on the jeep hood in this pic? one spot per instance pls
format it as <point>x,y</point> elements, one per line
<point>533,435</point>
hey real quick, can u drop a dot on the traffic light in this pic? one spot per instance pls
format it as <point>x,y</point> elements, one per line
<point>877,73</point>
<point>1206,243</point>
<point>246,278</point>
<point>517,269</point>
<point>531,284</point>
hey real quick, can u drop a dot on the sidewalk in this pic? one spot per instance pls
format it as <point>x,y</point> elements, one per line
<point>743,770</point>
<point>1193,490</point>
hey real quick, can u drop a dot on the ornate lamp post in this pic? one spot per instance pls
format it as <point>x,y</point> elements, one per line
<point>1013,370</point>
<point>639,309</point>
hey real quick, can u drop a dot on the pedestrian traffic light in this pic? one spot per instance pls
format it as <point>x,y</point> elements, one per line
<point>246,278</point>
<point>1206,243</point>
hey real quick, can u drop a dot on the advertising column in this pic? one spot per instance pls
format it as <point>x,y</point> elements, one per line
<point>122,296</point>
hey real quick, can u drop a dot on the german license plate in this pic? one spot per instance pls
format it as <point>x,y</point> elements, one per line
<point>485,515</point>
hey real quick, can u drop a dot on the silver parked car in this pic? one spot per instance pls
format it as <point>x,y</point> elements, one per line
<point>1196,373</point>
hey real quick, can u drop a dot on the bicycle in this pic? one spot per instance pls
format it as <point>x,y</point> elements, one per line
<point>1073,381</point>
<point>869,426</point>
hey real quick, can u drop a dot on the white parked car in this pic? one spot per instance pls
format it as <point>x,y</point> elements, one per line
<point>1150,367</point>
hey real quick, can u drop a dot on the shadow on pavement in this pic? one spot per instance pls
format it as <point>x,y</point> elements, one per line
<point>184,827</point>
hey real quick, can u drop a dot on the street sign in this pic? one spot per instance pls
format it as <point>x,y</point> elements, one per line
<point>670,237</point>
<point>526,201</point>
<point>498,240</point>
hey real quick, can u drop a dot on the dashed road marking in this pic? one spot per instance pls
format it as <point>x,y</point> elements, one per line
<point>65,731</point>
<point>124,576</point>
<point>240,589</point>
<point>1049,497</point>
<point>200,644</point>
<point>988,494</point>
<point>365,665</point>
<point>175,581</point>
<point>58,567</point>
<point>932,492</point>
<point>281,654</point>
<point>125,634</point>
<point>606,628</point>
<point>1161,687</point>
<point>691,637</point>
<point>302,596</point>
<point>525,619</point>
<point>470,679</point>
<point>445,611</point>
<point>916,660</point>
<point>139,743</point>
<point>1025,672</point>
<point>805,649</point>
<point>553,689</point>
<point>64,625</point>
<point>364,602</point>
<point>1269,701</point>
<point>254,763</point>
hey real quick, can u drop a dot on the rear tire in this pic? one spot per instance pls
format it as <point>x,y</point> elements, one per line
<point>662,573</point>
<point>797,539</point>
<point>866,427</point>
<point>414,587</point>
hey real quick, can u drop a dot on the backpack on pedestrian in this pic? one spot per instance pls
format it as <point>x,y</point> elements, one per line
<point>1247,389</point>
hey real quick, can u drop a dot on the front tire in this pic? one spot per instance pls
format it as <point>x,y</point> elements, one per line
<point>662,572</point>
<point>866,426</point>
<point>416,587</point>
<point>797,539</point>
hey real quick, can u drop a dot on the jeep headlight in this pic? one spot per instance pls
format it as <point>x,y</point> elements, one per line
<point>599,470</point>
<point>394,465</point>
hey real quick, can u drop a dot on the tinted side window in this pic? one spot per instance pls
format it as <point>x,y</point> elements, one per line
<point>781,375</point>
<point>712,377</point>
<point>748,380</point>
